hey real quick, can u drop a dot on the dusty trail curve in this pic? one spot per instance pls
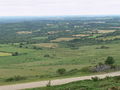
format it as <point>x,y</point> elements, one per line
<point>54,82</point>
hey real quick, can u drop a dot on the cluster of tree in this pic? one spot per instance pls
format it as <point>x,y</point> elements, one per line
<point>42,27</point>
<point>107,65</point>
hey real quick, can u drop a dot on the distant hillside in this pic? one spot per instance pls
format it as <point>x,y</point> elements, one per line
<point>13,19</point>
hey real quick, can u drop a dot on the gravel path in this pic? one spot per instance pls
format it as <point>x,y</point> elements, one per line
<point>54,82</point>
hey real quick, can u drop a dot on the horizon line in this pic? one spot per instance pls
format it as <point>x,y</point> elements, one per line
<point>60,15</point>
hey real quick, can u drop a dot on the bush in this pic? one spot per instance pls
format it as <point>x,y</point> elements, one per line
<point>107,77</point>
<point>73,71</point>
<point>100,64</point>
<point>37,48</point>
<point>34,47</point>
<point>113,66</point>
<point>86,69</point>
<point>95,79</point>
<point>15,54</point>
<point>46,55</point>
<point>117,78</point>
<point>109,60</point>
<point>114,88</point>
<point>61,71</point>
<point>15,78</point>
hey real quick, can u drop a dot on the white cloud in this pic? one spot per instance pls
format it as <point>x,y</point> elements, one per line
<point>58,7</point>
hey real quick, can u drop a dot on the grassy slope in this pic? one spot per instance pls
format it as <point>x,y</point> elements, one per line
<point>32,63</point>
<point>104,84</point>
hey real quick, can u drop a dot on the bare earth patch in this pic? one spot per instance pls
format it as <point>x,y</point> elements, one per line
<point>106,31</point>
<point>81,35</point>
<point>53,32</point>
<point>24,32</point>
<point>47,45</point>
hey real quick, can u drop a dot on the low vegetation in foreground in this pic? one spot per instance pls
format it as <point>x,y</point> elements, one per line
<point>109,83</point>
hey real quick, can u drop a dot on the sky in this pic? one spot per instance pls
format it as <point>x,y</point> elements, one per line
<point>59,7</point>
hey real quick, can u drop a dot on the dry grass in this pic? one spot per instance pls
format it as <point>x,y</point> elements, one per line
<point>5,54</point>
<point>47,45</point>
<point>81,35</point>
<point>24,32</point>
<point>53,32</point>
<point>106,31</point>
<point>62,39</point>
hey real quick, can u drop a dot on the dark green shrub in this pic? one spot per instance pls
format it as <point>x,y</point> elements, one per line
<point>61,71</point>
<point>15,78</point>
<point>95,79</point>
<point>109,60</point>
<point>100,63</point>
<point>37,48</point>
<point>20,46</point>
<point>117,78</point>
<point>73,71</point>
<point>113,66</point>
<point>46,55</point>
<point>107,77</point>
<point>15,54</point>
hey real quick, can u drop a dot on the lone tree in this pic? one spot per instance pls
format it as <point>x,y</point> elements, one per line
<point>61,71</point>
<point>109,60</point>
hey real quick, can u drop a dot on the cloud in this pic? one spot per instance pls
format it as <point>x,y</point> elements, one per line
<point>58,7</point>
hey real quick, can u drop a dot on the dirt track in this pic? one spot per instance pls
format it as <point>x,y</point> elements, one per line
<point>53,82</point>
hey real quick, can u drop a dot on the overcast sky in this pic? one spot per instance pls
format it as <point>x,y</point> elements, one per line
<point>58,7</point>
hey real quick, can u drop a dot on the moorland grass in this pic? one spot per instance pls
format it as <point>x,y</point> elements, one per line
<point>31,63</point>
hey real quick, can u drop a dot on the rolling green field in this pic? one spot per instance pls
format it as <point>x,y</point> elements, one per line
<point>35,50</point>
<point>39,38</point>
<point>33,64</point>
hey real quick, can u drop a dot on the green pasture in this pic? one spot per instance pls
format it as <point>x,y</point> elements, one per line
<point>33,64</point>
<point>40,38</point>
